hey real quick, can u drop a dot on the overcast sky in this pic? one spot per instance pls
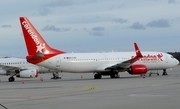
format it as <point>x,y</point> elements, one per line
<point>92,25</point>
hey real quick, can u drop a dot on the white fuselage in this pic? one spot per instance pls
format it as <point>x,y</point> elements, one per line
<point>97,62</point>
<point>7,65</point>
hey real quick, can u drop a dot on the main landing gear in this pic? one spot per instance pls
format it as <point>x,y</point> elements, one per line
<point>112,74</point>
<point>97,76</point>
<point>164,72</point>
<point>55,75</point>
<point>11,79</point>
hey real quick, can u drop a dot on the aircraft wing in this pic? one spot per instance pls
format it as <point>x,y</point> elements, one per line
<point>127,63</point>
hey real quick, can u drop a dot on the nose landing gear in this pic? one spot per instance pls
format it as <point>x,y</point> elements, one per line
<point>164,72</point>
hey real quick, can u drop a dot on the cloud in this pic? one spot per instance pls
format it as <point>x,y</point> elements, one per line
<point>161,23</point>
<point>53,28</point>
<point>44,12</point>
<point>172,1</point>
<point>60,3</point>
<point>152,0</point>
<point>137,25</point>
<point>88,1</point>
<point>97,31</point>
<point>6,26</point>
<point>84,29</point>
<point>120,20</point>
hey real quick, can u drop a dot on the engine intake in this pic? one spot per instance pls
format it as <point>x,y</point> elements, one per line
<point>4,72</point>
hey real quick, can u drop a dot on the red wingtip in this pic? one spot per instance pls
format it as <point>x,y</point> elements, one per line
<point>138,52</point>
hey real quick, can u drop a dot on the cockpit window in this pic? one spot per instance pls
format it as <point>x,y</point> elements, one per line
<point>172,57</point>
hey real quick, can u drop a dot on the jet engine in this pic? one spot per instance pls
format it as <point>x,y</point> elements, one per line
<point>3,72</point>
<point>137,69</point>
<point>28,74</point>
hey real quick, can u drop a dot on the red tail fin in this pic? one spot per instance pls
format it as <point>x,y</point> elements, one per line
<point>34,42</point>
<point>138,52</point>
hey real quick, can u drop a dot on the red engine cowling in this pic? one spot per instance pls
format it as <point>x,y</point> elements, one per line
<point>137,69</point>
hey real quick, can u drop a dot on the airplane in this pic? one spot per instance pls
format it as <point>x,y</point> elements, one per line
<point>102,64</point>
<point>20,68</point>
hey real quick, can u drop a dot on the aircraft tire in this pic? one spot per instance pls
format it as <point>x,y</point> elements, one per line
<point>97,76</point>
<point>112,75</point>
<point>11,79</point>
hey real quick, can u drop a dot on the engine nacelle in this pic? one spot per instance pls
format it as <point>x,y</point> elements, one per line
<point>3,72</point>
<point>137,69</point>
<point>28,73</point>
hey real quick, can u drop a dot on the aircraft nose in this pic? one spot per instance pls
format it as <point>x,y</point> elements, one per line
<point>177,62</point>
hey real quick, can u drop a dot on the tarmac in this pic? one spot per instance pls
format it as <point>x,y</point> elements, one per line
<point>81,91</point>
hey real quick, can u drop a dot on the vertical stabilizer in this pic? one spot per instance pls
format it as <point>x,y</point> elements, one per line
<point>34,42</point>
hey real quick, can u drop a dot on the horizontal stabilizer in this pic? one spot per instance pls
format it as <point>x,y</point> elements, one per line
<point>36,57</point>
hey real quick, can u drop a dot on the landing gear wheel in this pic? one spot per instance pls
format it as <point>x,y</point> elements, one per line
<point>157,74</point>
<point>143,75</point>
<point>164,72</point>
<point>112,75</point>
<point>97,76</point>
<point>11,79</point>
<point>55,75</point>
<point>149,74</point>
<point>117,76</point>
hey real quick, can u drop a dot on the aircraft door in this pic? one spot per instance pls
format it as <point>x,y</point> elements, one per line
<point>22,64</point>
<point>58,62</point>
<point>167,59</point>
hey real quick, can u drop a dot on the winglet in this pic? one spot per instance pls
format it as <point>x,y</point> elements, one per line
<point>138,52</point>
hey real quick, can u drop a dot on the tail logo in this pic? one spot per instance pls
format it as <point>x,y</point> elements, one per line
<point>137,51</point>
<point>39,45</point>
